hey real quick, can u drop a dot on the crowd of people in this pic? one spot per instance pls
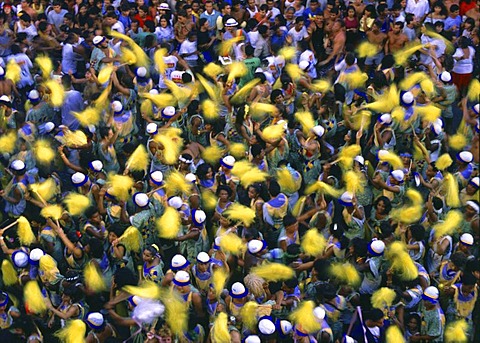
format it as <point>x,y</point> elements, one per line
<point>239,171</point>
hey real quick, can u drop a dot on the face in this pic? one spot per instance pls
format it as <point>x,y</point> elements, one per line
<point>202,267</point>
<point>141,13</point>
<point>111,237</point>
<point>299,26</point>
<point>252,193</point>
<point>83,10</point>
<point>209,174</point>
<point>412,324</point>
<point>227,9</point>
<point>96,218</point>
<point>292,228</point>
<point>7,10</point>
<point>313,6</point>
<point>163,22</point>
<point>351,13</point>
<point>147,256</point>
<point>396,29</point>
<point>381,207</point>
<point>166,339</point>
<point>57,8</point>
<point>251,3</point>
<point>289,15</point>
<point>209,7</point>
<point>223,195</point>
<point>66,298</point>
<point>279,99</point>
<point>195,7</point>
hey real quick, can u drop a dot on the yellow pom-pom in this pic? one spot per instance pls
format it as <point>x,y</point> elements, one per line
<point>7,142</point>
<point>401,56</point>
<point>407,214</point>
<point>43,152</point>
<point>456,332</point>
<point>429,113</point>
<point>398,114</point>
<point>219,279</point>
<point>345,273</point>
<point>120,186</point>
<point>428,87</point>
<point>457,142</point>
<point>24,231</point>
<point>474,91</point>
<point>401,262</point>
<point>210,109</point>
<point>252,176</point>
<point>287,182</point>
<point>212,91</point>
<point>303,315</point>
<point>168,225</point>
<point>142,58</point>
<point>294,71</point>
<point>76,203</point>
<point>394,335</point>
<point>324,188</point>
<point>52,211</point>
<point>147,290</point>
<point>175,184</point>
<point>306,120</point>
<point>44,191</point>
<point>212,70</point>
<point>220,332</point>
<point>367,49</point>
<point>249,314</point>
<point>240,213</point>
<point>57,93</point>
<point>89,116</point>
<point>101,103</point>
<point>73,332</point>
<point>93,278</point>
<point>132,238</point>
<point>159,61</point>
<point>241,95</point>
<point>232,244</point>
<point>33,298</point>
<point>287,52</point>
<point>225,48</point>
<point>209,200</point>
<point>450,224</point>
<point>236,70</point>
<point>347,154</point>
<point>389,157</point>
<point>443,162</point>
<point>414,196</point>
<point>9,274</point>
<point>14,71</point>
<point>182,94</point>
<point>176,310</point>
<point>45,65</point>
<point>160,100</point>
<point>273,272</point>
<point>273,133</point>
<point>171,147</point>
<point>450,186</point>
<point>212,154</point>
<point>321,86</point>
<point>383,298</point>
<point>241,167</point>
<point>259,110</point>
<point>75,139</point>
<point>238,150</point>
<point>356,79</point>
<point>127,57</point>
<point>353,182</point>
<point>411,80</point>
<point>138,160</point>
<point>313,243</point>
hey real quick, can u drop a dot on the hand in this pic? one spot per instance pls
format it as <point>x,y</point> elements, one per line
<point>322,63</point>
<point>277,307</point>
<point>2,193</point>
<point>359,134</point>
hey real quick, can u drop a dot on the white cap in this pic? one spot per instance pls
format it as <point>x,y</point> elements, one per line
<point>284,326</point>
<point>153,91</point>
<point>431,293</point>
<point>156,177</point>
<point>349,339</point>
<point>266,326</point>
<point>48,127</point>
<point>231,22</point>
<point>96,165</point>
<point>164,6</point>
<point>198,217</point>
<point>319,313</point>
<point>17,165</point>
<point>98,39</point>
<point>175,202</point>
<point>398,175</point>
<point>117,107</point>
<point>190,177</point>
<point>407,98</point>
<point>346,199</point>
<point>385,118</point>
<point>376,247</point>
<point>152,128</point>
<point>445,77</point>
<point>203,257</point>
<point>475,182</point>
<point>476,108</point>
<point>168,112</point>
<point>360,159</point>
<point>79,179</point>
<point>141,72</point>
<point>95,320</point>
<point>228,161</point>
<point>4,98</point>
<point>255,246</point>
<point>467,239</point>
<point>36,254</point>
<point>178,262</point>
<point>252,339</point>
<point>238,290</point>
<point>141,199</point>
<point>304,65</point>
<point>2,71</point>
<point>182,278</point>
<point>33,95</point>
<point>20,258</point>
<point>465,156</point>
<point>319,130</point>
<point>437,129</point>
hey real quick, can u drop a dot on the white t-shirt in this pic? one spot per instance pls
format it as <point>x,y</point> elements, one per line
<point>68,59</point>
<point>31,31</point>
<point>308,56</point>
<point>118,26</point>
<point>171,65</point>
<point>464,66</point>
<point>188,47</point>
<point>25,65</point>
<point>253,37</point>
<point>418,9</point>
<point>297,36</point>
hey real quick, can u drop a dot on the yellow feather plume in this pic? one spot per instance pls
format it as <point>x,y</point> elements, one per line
<point>287,52</point>
<point>147,290</point>
<point>450,187</point>
<point>241,95</point>
<point>294,71</point>
<point>321,86</point>
<point>44,191</point>
<point>241,167</point>
<point>236,70</point>
<point>353,182</point>
<point>9,274</point>
<point>361,119</point>
<point>367,49</point>
<point>428,87</point>
<point>323,188</point>
<point>347,154</point>
<point>219,279</point>
<point>101,103</point>
<point>398,114</point>
<point>89,116</point>
<point>57,93</point>
<point>345,273</point>
<point>138,160</point>
<point>449,46</point>
<point>303,315</point>
<point>252,176</point>
<point>407,214</point>
<point>209,200</point>
<point>93,278</point>
<point>239,213</point>
<point>120,186</point>
<point>226,46</point>
<point>259,110</point>
<point>389,157</point>
<point>401,56</point>
<point>172,146</point>
<point>273,272</point>
<point>212,154</point>
<point>249,314</point>
<point>273,133</point>
<point>45,65</point>
<point>24,231</point>
<point>394,335</point>
<point>13,71</point>
<point>232,244</point>
<point>383,298</point>
<point>175,184</point>
<point>313,243</point>
<point>474,91</point>
<point>7,142</point>
<point>456,332</point>
<point>43,152</point>
<point>160,100</point>
<point>210,109</point>
<point>142,58</point>
<point>33,298</point>
<point>132,238</point>
<point>75,138</point>
<point>450,224</point>
<point>159,61</point>
<point>220,332</point>
<point>73,332</point>
<point>52,211</point>
<point>356,79</point>
<point>168,225</point>
<point>238,150</point>
<point>76,203</point>
<point>286,181</point>
<point>127,56</point>
<point>457,142</point>
<point>146,108</point>
<point>306,120</point>
<point>212,70</point>
<point>176,310</point>
<point>414,196</point>
<point>429,113</point>
<point>47,263</point>
<point>182,94</point>
<point>411,80</point>
<point>211,91</point>
<point>443,162</point>
<point>401,262</point>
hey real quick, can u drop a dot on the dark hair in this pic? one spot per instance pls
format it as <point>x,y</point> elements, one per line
<point>291,283</point>
<point>89,212</point>
<point>224,188</point>
<point>116,229</point>
<point>202,170</point>
<point>371,9</point>
<point>454,8</point>
<point>322,267</point>
<point>274,188</point>
<point>459,259</point>
<point>374,314</point>
<point>256,149</point>
<point>289,220</point>
<point>418,232</point>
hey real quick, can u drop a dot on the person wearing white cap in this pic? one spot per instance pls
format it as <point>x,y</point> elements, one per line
<point>447,96</point>
<point>372,279</point>
<point>266,328</point>
<point>142,215</point>
<point>182,284</point>
<point>100,329</point>
<point>202,272</point>
<point>195,237</point>
<point>394,186</point>
<point>465,244</point>
<point>464,167</point>
<point>468,193</point>
<point>14,196</point>
<point>106,149</point>
<point>85,186</point>
<point>431,314</point>
<point>20,258</point>
<point>102,54</point>
<point>142,81</point>
<point>353,214</point>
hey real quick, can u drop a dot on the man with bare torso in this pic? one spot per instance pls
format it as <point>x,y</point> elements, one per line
<point>376,37</point>
<point>396,39</point>
<point>336,44</point>
<point>7,87</point>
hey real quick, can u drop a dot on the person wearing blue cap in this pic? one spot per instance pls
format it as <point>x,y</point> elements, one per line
<point>433,317</point>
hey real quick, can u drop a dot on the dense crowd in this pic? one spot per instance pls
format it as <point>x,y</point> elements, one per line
<point>239,171</point>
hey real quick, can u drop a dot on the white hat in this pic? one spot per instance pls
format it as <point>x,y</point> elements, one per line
<point>96,165</point>
<point>231,22</point>
<point>117,107</point>
<point>203,257</point>
<point>79,179</point>
<point>135,300</point>
<point>153,91</point>
<point>2,71</point>
<point>475,182</point>
<point>349,339</point>
<point>168,112</point>
<point>284,327</point>
<point>5,98</point>
<point>266,326</point>
<point>255,246</point>
<point>474,205</point>
<point>319,130</point>
<point>465,156</point>
<point>252,339</point>
<point>48,127</point>
<point>398,175</point>
<point>467,239</point>
<point>304,65</point>
<point>17,165</point>
<point>346,199</point>
<point>141,72</point>
<point>156,177</point>
<point>95,320</point>
<point>35,255</point>
<point>182,278</point>
<point>190,177</point>
<point>431,294</point>
<point>445,77</point>
<point>20,258</point>
<point>376,247</point>
<point>216,243</point>
<point>33,95</point>
<point>238,290</point>
<point>228,162</point>
<point>164,6</point>
<point>407,99</point>
<point>141,199</point>
<point>152,128</point>
<point>385,118</point>
<point>175,202</point>
<point>178,262</point>
<point>476,108</point>
<point>319,313</point>
<point>98,39</point>
<point>198,217</point>
<point>360,159</point>
<point>437,129</point>
<point>284,123</point>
